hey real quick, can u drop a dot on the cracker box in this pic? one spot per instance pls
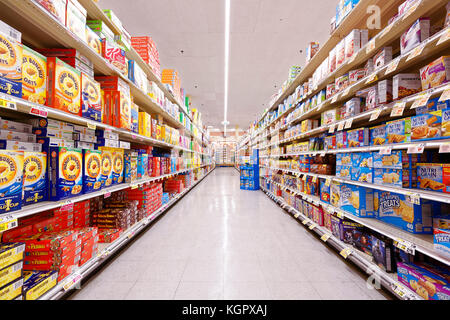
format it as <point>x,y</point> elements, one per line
<point>36,283</point>
<point>51,124</point>
<point>10,66</point>
<point>398,131</point>
<point>429,285</point>
<point>65,172</point>
<point>392,177</point>
<point>107,164</point>
<point>118,165</point>
<point>405,84</point>
<point>91,105</point>
<point>76,18</point>
<point>92,166</point>
<point>362,160</point>
<point>11,253</point>
<point>358,137</point>
<point>434,177</point>
<point>11,180</point>
<point>395,209</point>
<point>415,35</point>
<point>11,273</point>
<point>34,76</point>
<point>436,73</point>
<point>378,135</point>
<point>427,126</point>
<point>341,140</point>
<point>15,126</point>
<point>17,136</point>
<point>64,86</point>
<point>362,174</point>
<point>12,290</point>
<point>34,177</point>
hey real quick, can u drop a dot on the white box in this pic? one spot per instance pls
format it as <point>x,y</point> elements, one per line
<point>385,91</point>
<point>340,54</point>
<point>17,136</point>
<point>405,84</point>
<point>352,43</point>
<point>10,32</point>
<point>15,126</point>
<point>20,146</point>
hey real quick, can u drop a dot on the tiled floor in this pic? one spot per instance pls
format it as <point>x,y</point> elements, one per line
<point>220,242</point>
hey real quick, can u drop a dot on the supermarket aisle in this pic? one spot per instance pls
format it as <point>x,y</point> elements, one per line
<point>223,243</point>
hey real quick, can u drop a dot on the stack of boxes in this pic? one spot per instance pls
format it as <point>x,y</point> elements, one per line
<point>171,77</point>
<point>11,266</point>
<point>148,197</point>
<point>146,48</point>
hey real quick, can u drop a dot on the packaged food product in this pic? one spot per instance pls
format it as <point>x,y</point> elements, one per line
<point>11,180</point>
<point>118,165</point>
<point>340,53</point>
<point>352,43</point>
<point>91,107</point>
<point>405,84</point>
<point>382,58</point>
<point>12,291</point>
<point>34,76</point>
<point>36,283</point>
<point>17,136</point>
<point>356,75</point>
<point>378,135</point>
<point>115,55</point>
<point>415,35</point>
<point>64,86</point>
<point>107,166</point>
<point>56,7</point>
<point>435,73</point>
<point>34,177</point>
<point>311,50</point>
<point>10,66</point>
<point>341,140</point>
<point>434,177</point>
<point>358,137</point>
<point>11,273</point>
<point>427,126</point>
<point>385,91</point>
<point>398,131</point>
<point>362,160</point>
<point>362,174</point>
<point>76,18</point>
<point>383,253</point>
<point>92,166</point>
<point>134,114</point>
<point>332,60</point>
<point>66,172</point>
<point>329,116</point>
<point>93,40</point>
<point>353,107</point>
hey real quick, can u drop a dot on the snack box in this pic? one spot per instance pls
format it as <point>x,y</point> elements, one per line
<point>393,161</point>
<point>92,166</point>
<point>428,285</point>
<point>93,40</point>
<point>436,73</point>
<point>84,137</point>
<point>427,126</point>
<point>358,137</point>
<point>385,91</point>
<point>11,180</point>
<point>34,177</point>
<point>362,174</point>
<point>383,57</point>
<point>65,172</point>
<point>442,240</point>
<point>395,209</point>
<point>433,104</point>
<point>357,200</point>
<point>15,126</point>
<point>393,177</point>
<point>383,253</point>
<point>378,135</point>
<point>11,66</point>
<point>343,229</point>
<point>50,124</point>
<point>17,136</point>
<point>107,166</point>
<point>434,177</point>
<point>34,76</point>
<point>405,84</point>
<point>36,283</point>
<point>48,142</point>
<point>415,35</point>
<point>11,273</point>
<point>398,131</point>
<point>362,160</point>
<point>117,166</point>
<point>11,253</point>
<point>91,96</point>
<point>76,18</point>
<point>49,132</point>
<point>362,241</point>
<point>108,236</point>
<point>341,140</point>
<point>11,291</point>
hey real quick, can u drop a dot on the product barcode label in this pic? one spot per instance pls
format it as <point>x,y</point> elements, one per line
<point>398,109</point>
<point>297,215</point>
<point>346,252</point>
<point>416,149</point>
<point>325,237</point>
<point>8,104</point>
<point>404,245</point>
<point>421,100</point>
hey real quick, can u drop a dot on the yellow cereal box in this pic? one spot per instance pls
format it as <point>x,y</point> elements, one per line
<point>34,177</point>
<point>34,76</point>
<point>145,124</point>
<point>107,166</point>
<point>118,166</point>
<point>10,66</point>
<point>11,176</point>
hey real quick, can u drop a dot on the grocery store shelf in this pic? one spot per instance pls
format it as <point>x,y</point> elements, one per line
<point>62,288</point>
<point>349,252</point>
<point>417,242</point>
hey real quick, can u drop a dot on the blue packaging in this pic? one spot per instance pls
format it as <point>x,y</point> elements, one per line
<point>378,135</point>
<point>391,177</point>
<point>324,191</point>
<point>343,159</point>
<point>357,200</point>
<point>92,169</point>
<point>362,174</point>
<point>35,177</point>
<point>362,160</point>
<point>11,180</point>
<point>341,140</point>
<point>344,172</point>
<point>391,161</point>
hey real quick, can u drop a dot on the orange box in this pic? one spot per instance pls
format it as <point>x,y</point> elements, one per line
<point>64,86</point>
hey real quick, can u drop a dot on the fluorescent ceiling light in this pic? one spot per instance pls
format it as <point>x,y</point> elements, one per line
<point>227,58</point>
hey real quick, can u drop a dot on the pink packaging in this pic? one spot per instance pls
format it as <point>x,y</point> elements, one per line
<point>318,215</point>
<point>341,83</point>
<point>416,34</point>
<point>327,220</point>
<point>331,90</point>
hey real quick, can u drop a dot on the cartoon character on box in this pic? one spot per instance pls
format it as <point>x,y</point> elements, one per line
<point>34,177</point>
<point>11,184</point>
<point>118,165</point>
<point>324,191</point>
<point>92,169</point>
<point>10,66</point>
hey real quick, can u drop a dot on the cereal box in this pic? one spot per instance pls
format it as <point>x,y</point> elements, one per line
<point>11,180</point>
<point>64,86</point>
<point>49,132</point>
<point>134,114</point>
<point>341,140</point>
<point>391,177</point>
<point>311,50</point>
<point>329,116</point>
<point>362,174</point>
<point>145,124</point>
<point>446,123</point>
<point>378,135</point>
<point>383,57</point>
<point>65,172</point>
<point>395,209</point>
<point>34,177</point>
<point>426,126</point>
<point>343,159</point>
<point>358,137</point>
<point>405,84</point>
<point>385,91</point>
<point>51,124</point>
<point>340,53</point>
<point>352,43</point>
<point>48,142</point>
<point>356,75</point>
<point>17,136</point>
<point>118,165</point>
<point>107,164</point>
<point>415,35</point>
<point>115,55</point>
<point>324,191</point>
<point>20,146</point>
<point>362,160</point>
<point>34,76</point>
<point>56,7</point>
<point>76,18</point>
<point>130,174</point>
<point>434,177</point>
<point>398,131</point>
<point>436,73</point>
<point>353,107</point>
<point>91,105</point>
<point>343,172</point>
<point>92,166</point>
<point>383,253</point>
<point>10,66</point>
<point>93,40</point>
<point>330,142</point>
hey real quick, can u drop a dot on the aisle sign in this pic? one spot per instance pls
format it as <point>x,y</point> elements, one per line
<point>325,237</point>
<point>417,51</point>
<point>444,37</point>
<point>421,100</point>
<point>398,109</point>
<point>348,123</point>
<point>332,128</point>
<point>445,95</point>
<point>416,149</point>
<point>374,116</point>
<point>38,111</point>
<point>341,126</point>
<point>392,66</point>
<point>444,148</point>
<point>386,151</point>
<point>346,252</point>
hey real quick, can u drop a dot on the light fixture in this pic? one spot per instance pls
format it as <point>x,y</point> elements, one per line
<point>226,65</point>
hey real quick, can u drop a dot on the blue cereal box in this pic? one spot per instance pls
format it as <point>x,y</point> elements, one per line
<point>142,165</point>
<point>395,209</point>
<point>11,180</point>
<point>324,191</point>
<point>344,159</point>
<point>92,169</point>
<point>434,177</point>
<point>343,172</point>
<point>378,135</point>
<point>391,177</point>
<point>357,200</point>
<point>398,131</point>
<point>433,105</point>
<point>118,166</point>
<point>341,140</point>
<point>362,174</point>
<point>358,138</point>
<point>362,159</point>
<point>34,177</point>
<point>65,172</point>
<point>391,161</point>
<point>107,166</point>
<point>427,126</point>
<point>446,122</point>
<point>91,98</point>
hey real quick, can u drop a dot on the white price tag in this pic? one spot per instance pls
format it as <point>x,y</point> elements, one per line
<point>445,37</point>
<point>107,195</point>
<point>134,186</point>
<point>392,66</point>
<point>306,221</point>
<point>341,126</point>
<point>311,227</point>
<point>66,205</point>
<point>404,245</point>
<point>445,95</point>
<point>417,51</point>
<point>372,78</point>
<point>348,123</point>
<point>335,98</point>
<point>332,128</point>
<point>297,215</point>
<point>444,148</point>
<point>398,109</point>
<point>414,198</point>
<point>374,116</point>
<point>386,150</point>
<point>38,111</point>
<point>91,126</point>
<point>416,149</point>
<point>421,100</point>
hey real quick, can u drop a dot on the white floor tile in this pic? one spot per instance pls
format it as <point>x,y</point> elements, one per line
<point>152,290</point>
<point>239,290</point>
<point>193,290</point>
<point>293,291</point>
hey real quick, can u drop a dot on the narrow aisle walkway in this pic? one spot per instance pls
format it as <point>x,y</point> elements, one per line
<point>219,242</point>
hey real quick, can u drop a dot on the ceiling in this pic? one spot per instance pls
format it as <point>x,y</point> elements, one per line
<point>266,39</point>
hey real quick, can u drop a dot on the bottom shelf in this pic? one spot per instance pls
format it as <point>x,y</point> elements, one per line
<point>348,252</point>
<point>107,249</point>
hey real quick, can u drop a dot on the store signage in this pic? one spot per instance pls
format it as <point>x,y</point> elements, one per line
<point>346,252</point>
<point>386,150</point>
<point>7,223</point>
<point>38,111</point>
<point>444,148</point>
